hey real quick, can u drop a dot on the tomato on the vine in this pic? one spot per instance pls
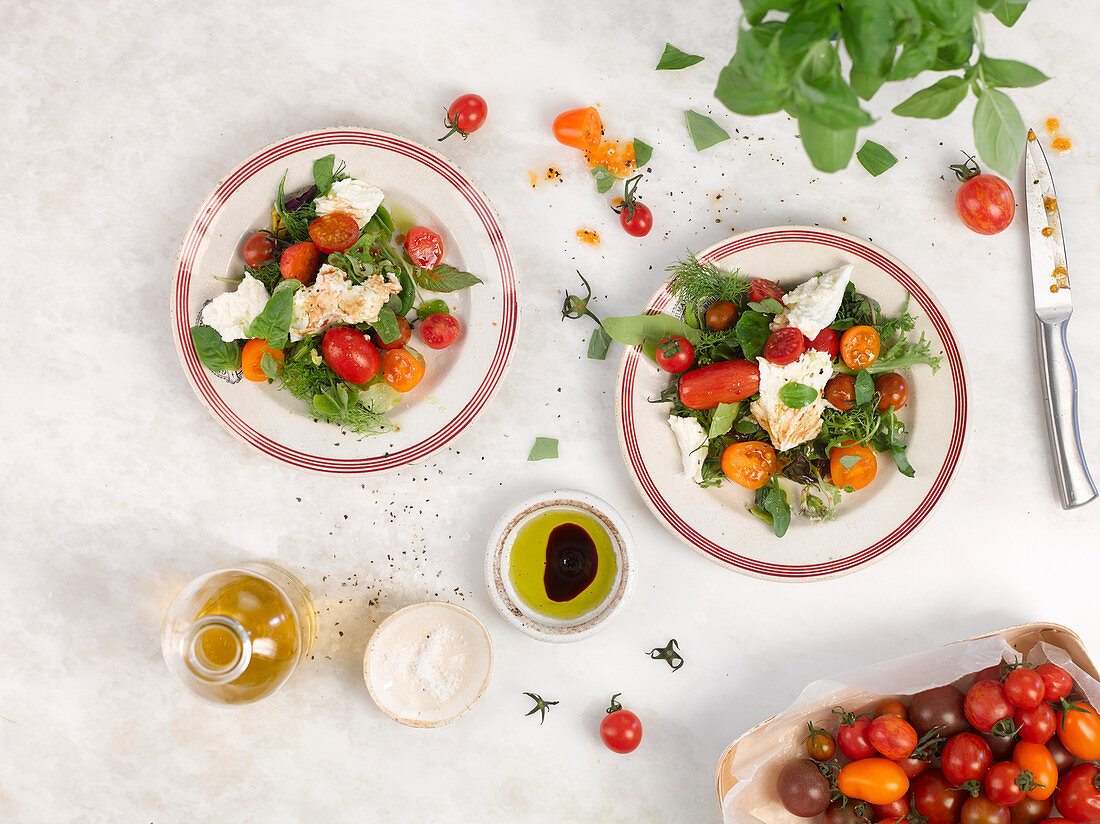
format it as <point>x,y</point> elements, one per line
<point>634,216</point>
<point>852,735</point>
<point>892,737</point>
<point>987,705</point>
<point>1079,729</point>
<point>984,202</point>
<point>259,248</point>
<point>466,114</point>
<point>820,745</point>
<point>936,799</point>
<point>1057,683</point>
<point>621,730</point>
<point>675,354</point>
<point>965,757</point>
<point>1078,795</point>
<point>875,780</point>
<point>1024,687</point>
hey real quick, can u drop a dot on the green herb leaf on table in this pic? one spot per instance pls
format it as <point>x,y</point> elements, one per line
<point>796,395</point>
<point>632,330</point>
<point>999,133</point>
<point>433,307</point>
<point>1010,74</point>
<point>544,449</point>
<point>444,278</point>
<point>273,323</point>
<point>875,158</point>
<point>768,306</point>
<point>642,153</point>
<point>673,58</point>
<point>269,366</point>
<point>752,331</point>
<point>848,461</point>
<point>216,355</point>
<point>722,421</point>
<point>322,174</point>
<point>604,179</point>
<point>703,131</point>
<point>865,387</point>
<point>936,101</point>
<point>598,344</point>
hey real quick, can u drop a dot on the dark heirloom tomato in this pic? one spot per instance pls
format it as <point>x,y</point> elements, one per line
<point>980,810</point>
<point>1063,758</point>
<point>893,391</point>
<point>891,812</point>
<point>1001,745</point>
<point>761,288</point>
<point>1025,688</point>
<point>936,799</point>
<point>986,705</point>
<point>893,737</point>
<point>1031,811</point>
<point>1057,683</point>
<point>721,315</point>
<point>725,382</point>
<point>965,757</point>
<point>843,813</point>
<point>802,789</point>
<point>1036,725</point>
<point>938,707</point>
<point>840,391</point>
<point>914,766</point>
<point>1078,795</point>
<point>259,248</point>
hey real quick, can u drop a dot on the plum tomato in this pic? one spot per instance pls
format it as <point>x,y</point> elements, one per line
<point>892,390</point>
<point>1025,688</point>
<point>1037,760</point>
<point>424,246</point>
<point>965,757</point>
<point>1079,730</point>
<point>938,707</point>
<point>860,347</point>
<point>1037,724</point>
<point>259,248</point>
<point>300,261</point>
<point>784,346</point>
<point>840,391</point>
<point>725,382</point>
<point>1031,811</point>
<point>846,473</point>
<point>987,705</point>
<point>252,355</point>
<point>1006,784</point>
<point>761,288</point>
<point>983,202</point>
<point>874,780</point>
<point>579,128</point>
<point>820,745</point>
<point>404,332</point>
<point>981,810</point>
<point>845,812</point>
<point>675,354</point>
<point>892,737</point>
<point>621,730</point>
<point>335,232</point>
<point>439,331</point>
<point>721,315</point>
<point>852,735</point>
<point>802,789</point>
<point>936,799</point>
<point>402,369</point>
<point>1078,795</point>
<point>749,463</point>
<point>466,115</point>
<point>1057,683</point>
<point>827,341</point>
<point>350,355</point>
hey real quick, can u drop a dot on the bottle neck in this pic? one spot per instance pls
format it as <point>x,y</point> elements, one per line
<point>217,649</point>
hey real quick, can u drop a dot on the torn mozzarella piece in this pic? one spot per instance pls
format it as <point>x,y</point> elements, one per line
<point>692,441</point>
<point>230,313</point>
<point>352,197</point>
<point>811,306</point>
<point>332,299</point>
<point>790,427</point>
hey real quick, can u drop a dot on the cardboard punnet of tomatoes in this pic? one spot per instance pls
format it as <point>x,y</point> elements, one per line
<point>1000,729</point>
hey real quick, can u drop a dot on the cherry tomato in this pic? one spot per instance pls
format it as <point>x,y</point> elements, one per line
<point>1079,730</point>
<point>936,799</point>
<point>334,232</point>
<point>1062,757</point>
<point>853,739</point>
<point>749,463</point>
<point>1031,811</point>
<point>466,115</point>
<point>844,812</point>
<point>892,706</point>
<point>892,737</point>
<point>1001,745</point>
<point>1057,683</point>
<point>1025,688</point>
<point>1037,760</point>
<point>914,766</point>
<point>802,789</point>
<point>965,757</point>
<point>621,730</point>
<point>1006,784</point>
<point>636,219</point>
<point>300,261</point>
<point>424,246</point>
<point>784,346</point>
<point>579,128</point>
<point>986,705</point>
<point>859,347</point>
<point>350,355</point>
<point>893,391</point>
<point>938,707</point>
<point>401,369</point>
<point>1078,795</point>
<point>840,391</point>
<point>404,332</point>
<point>874,780</point>
<point>856,475</point>
<point>252,354</point>
<point>761,288</point>
<point>675,354</point>
<point>891,812</point>
<point>827,341</point>
<point>721,315</point>
<point>1059,821</point>
<point>725,382</point>
<point>259,248</point>
<point>980,810</point>
<point>820,745</point>
<point>983,202</point>
<point>1036,725</point>
<point>439,331</point>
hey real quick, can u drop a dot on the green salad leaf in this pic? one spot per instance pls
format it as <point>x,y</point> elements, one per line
<point>796,395</point>
<point>604,179</point>
<point>722,420</point>
<point>633,330</point>
<point>598,344</point>
<point>865,387</point>
<point>323,168</point>
<point>772,506</point>
<point>433,307</point>
<point>269,366</point>
<point>216,355</point>
<point>875,158</point>
<point>386,325</point>
<point>752,330</point>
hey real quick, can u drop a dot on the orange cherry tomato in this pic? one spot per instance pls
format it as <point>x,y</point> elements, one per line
<point>334,232</point>
<point>749,463</point>
<point>402,369</point>
<point>859,347</point>
<point>1079,730</point>
<point>251,356</point>
<point>892,706</point>
<point>579,128</point>
<point>874,780</point>
<point>1036,759</point>
<point>856,475</point>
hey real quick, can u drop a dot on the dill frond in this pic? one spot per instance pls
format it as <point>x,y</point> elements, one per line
<point>699,283</point>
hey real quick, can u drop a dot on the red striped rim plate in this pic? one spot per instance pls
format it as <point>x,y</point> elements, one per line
<point>871,522</point>
<point>421,186</point>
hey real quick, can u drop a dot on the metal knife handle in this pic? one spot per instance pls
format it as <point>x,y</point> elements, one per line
<point>1060,393</point>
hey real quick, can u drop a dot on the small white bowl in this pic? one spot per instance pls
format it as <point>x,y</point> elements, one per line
<point>499,553</point>
<point>454,637</point>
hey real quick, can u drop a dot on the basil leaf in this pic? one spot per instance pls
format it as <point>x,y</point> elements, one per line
<point>811,22</point>
<point>769,306</point>
<point>868,29</point>
<point>1010,74</point>
<point>544,449</point>
<point>380,225</point>
<point>955,53</point>
<point>273,323</point>
<point>796,395</point>
<point>752,331</point>
<point>917,56</point>
<point>829,149</point>
<point>938,100</point>
<point>848,461</point>
<point>703,131</point>
<point>444,278</point>
<point>999,132</point>
<point>756,80</point>
<point>865,387</point>
<point>216,354</point>
<point>722,421</point>
<point>598,344</point>
<point>642,153</point>
<point>322,174</point>
<point>1009,11</point>
<point>632,330</point>
<point>386,325</point>
<point>746,426</point>
<point>820,93</point>
<point>874,158</point>
<point>433,307</point>
<point>604,179</point>
<point>775,504</point>
<point>269,366</point>
<point>756,9</point>
<point>673,59</point>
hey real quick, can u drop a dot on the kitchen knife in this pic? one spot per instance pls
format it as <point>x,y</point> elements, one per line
<point>1053,307</point>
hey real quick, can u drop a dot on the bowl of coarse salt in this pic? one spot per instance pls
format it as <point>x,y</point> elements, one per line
<point>428,664</point>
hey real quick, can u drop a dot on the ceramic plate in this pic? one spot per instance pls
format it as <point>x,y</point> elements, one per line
<point>459,380</point>
<point>869,523</point>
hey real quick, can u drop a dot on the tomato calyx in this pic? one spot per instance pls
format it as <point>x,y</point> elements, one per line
<point>1026,781</point>
<point>576,307</point>
<point>629,202</point>
<point>615,705</point>
<point>965,171</point>
<point>930,745</point>
<point>847,719</point>
<point>669,653</point>
<point>451,124</point>
<point>973,786</point>
<point>1065,706</point>
<point>1005,728</point>
<point>541,706</point>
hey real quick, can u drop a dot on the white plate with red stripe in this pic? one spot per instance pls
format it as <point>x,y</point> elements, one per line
<point>459,380</point>
<point>869,523</point>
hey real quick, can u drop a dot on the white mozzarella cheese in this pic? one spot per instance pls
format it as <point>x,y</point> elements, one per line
<point>229,314</point>
<point>692,441</point>
<point>811,306</point>
<point>353,197</point>
<point>789,427</point>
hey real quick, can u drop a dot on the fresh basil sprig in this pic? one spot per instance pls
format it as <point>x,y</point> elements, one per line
<point>273,323</point>
<point>216,354</point>
<point>796,395</point>
<point>444,278</point>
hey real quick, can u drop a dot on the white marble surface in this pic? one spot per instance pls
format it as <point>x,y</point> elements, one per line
<point>120,116</point>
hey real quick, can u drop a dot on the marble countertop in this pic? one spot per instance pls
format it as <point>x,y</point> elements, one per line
<point>119,486</point>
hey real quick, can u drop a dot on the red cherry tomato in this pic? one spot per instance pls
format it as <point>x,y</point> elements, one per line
<point>1031,811</point>
<point>725,382</point>
<point>404,332</point>
<point>761,288</point>
<point>936,799</point>
<point>986,705</point>
<point>439,331</point>
<point>1079,729</point>
<point>892,390</point>
<point>466,115</point>
<point>983,202</point>
<point>1057,683</point>
<point>424,246</point>
<point>636,219</point>
<point>1006,784</point>
<point>784,346</point>
<point>890,812</point>
<point>621,730</point>
<point>1036,725</point>
<point>1037,760</point>
<point>675,354</point>
<point>892,737</point>
<point>966,757</point>
<point>1078,795</point>
<point>980,810</point>
<point>350,355</point>
<point>914,766</point>
<point>300,262</point>
<point>853,737</point>
<point>827,341</point>
<point>259,248</point>
<point>1025,688</point>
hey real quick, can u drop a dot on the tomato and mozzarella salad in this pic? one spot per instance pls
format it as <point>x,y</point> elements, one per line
<point>329,300</point>
<point>785,391</point>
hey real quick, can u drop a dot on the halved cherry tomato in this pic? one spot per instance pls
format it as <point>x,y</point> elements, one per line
<point>579,128</point>
<point>892,391</point>
<point>749,463</point>
<point>439,331</point>
<point>965,757</point>
<point>300,262</point>
<point>986,705</point>
<point>252,353</point>
<point>1079,730</point>
<point>675,354</point>
<point>760,288</point>
<point>1057,683</point>
<point>892,737</point>
<point>840,391</point>
<point>424,246</point>
<point>1036,725</point>
<point>617,157</point>
<point>401,369</point>
<point>1078,794</point>
<point>334,232</point>
<point>856,475</point>
<point>404,332</point>
<point>466,114</point>
<point>874,780</point>
<point>725,382</point>
<point>721,315</point>
<point>784,346</point>
<point>1037,760</point>
<point>860,346</point>
<point>350,354</point>
<point>259,248</point>
<point>827,341</point>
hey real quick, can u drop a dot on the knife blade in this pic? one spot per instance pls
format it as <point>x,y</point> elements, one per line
<point>1053,307</point>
